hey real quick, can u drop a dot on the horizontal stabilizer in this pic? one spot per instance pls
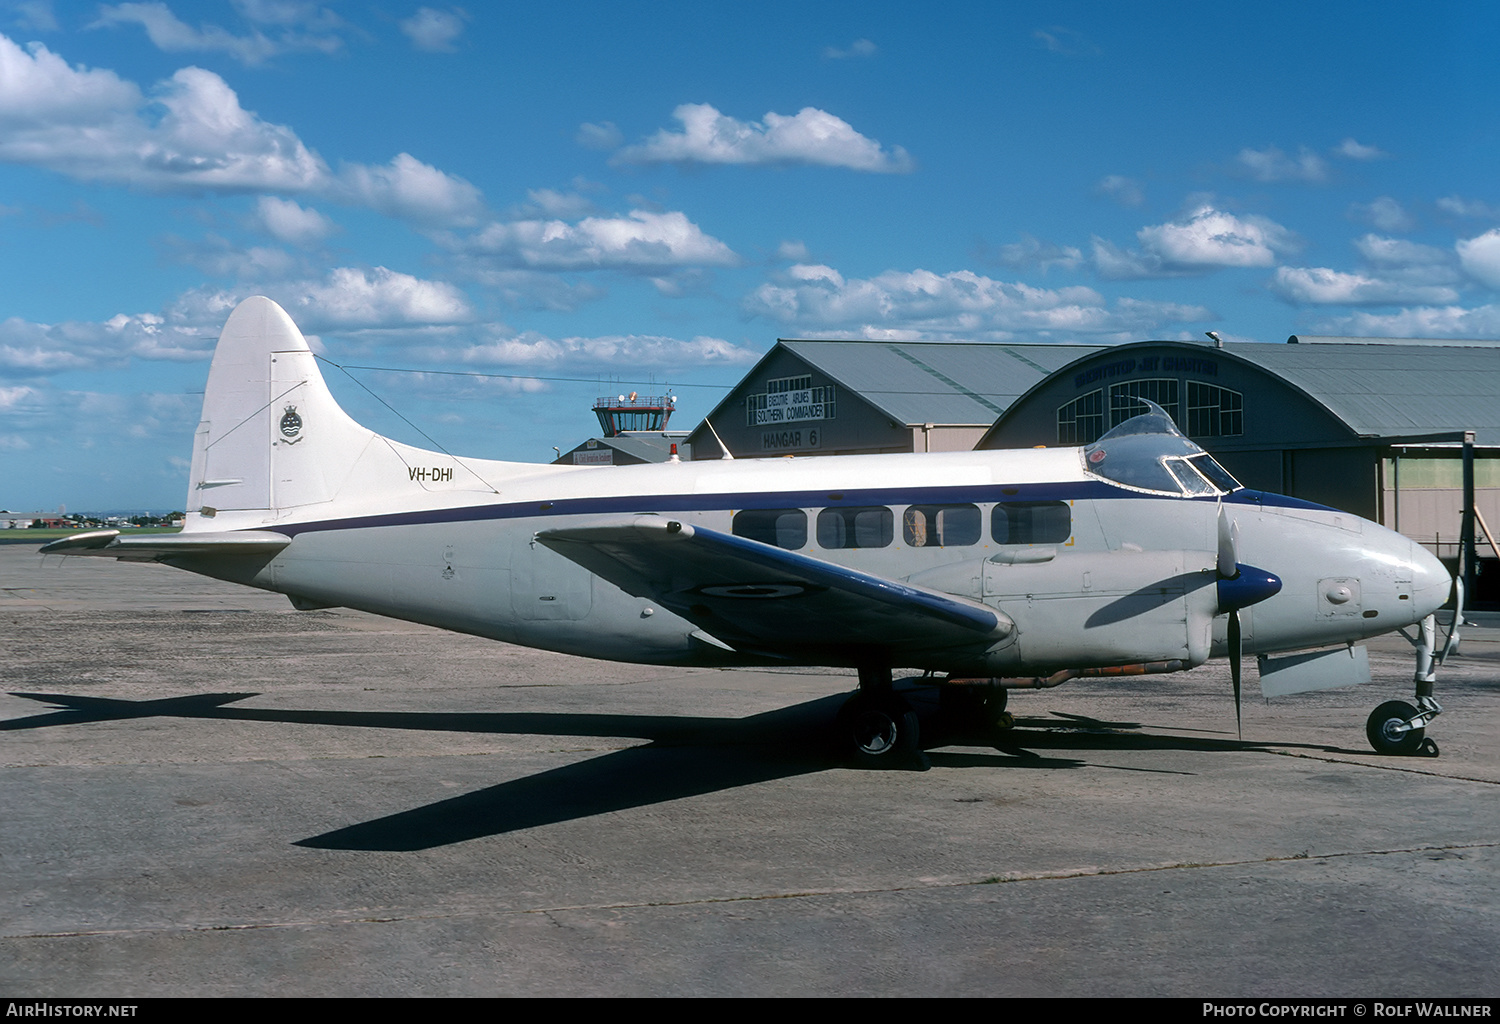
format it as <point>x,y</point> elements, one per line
<point>159,546</point>
<point>756,597</point>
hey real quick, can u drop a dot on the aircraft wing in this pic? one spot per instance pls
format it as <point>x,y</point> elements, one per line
<point>157,547</point>
<point>767,600</point>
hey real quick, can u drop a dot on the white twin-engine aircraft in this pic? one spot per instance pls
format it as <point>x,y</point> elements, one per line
<point>986,570</point>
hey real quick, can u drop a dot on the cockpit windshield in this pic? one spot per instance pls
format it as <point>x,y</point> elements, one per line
<point>1148,453</point>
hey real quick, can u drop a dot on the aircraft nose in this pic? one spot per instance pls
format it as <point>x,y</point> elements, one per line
<point>1431,583</point>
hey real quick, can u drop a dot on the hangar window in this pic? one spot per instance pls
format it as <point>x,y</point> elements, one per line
<point>783,527</point>
<point>869,526</point>
<point>1081,421</point>
<point>1122,404</point>
<point>934,526</point>
<point>1214,411</point>
<point>1031,522</point>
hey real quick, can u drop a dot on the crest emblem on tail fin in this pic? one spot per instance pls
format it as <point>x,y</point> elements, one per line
<point>291,423</point>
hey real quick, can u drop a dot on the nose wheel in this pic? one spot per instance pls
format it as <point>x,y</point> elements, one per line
<point>1397,728</point>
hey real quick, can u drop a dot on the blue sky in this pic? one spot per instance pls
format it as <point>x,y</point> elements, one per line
<point>580,199</point>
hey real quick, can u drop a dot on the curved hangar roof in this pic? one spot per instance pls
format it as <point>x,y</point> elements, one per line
<point>1388,389</point>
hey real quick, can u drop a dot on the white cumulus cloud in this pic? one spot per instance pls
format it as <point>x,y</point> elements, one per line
<point>29,349</point>
<point>1385,213</point>
<point>1271,164</point>
<point>292,25</point>
<point>598,136</point>
<point>810,136</point>
<point>960,303</point>
<point>1321,285</point>
<point>1480,257</point>
<point>286,221</point>
<point>1420,322</point>
<point>1353,150</point>
<point>191,134</point>
<point>1475,208</point>
<point>1123,190</point>
<point>858,48</point>
<point>411,190</point>
<point>433,31</point>
<point>355,298</point>
<point>531,349</point>
<point>641,240</point>
<point>344,299</point>
<point>1206,239</point>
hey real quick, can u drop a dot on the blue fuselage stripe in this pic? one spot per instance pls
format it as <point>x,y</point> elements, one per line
<point>1083,490</point>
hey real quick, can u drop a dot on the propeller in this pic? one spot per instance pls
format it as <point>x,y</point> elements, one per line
<point>1239,587</point>
<point>1229,569</point>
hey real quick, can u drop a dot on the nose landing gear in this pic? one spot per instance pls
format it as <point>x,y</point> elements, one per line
<point>1396,727</point>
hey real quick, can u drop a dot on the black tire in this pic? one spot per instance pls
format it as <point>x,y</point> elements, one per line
<point>881,732</point>
<point>970,706</point>
<point>1382,719</point>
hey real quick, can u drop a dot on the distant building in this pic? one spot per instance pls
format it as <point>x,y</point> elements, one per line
<point>626,450</point>
<point>1374,426</point>
<point>23,520</point>
<point>865,397</point>
<point>634,429</point>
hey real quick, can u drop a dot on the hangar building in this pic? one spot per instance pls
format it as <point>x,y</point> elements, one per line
<point>1371,425</point>
<point>867,397</point>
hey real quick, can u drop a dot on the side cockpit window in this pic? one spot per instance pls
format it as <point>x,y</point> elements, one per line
<point>1217,474</point>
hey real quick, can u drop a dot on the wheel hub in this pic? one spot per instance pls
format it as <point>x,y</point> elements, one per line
<point>874,732</point>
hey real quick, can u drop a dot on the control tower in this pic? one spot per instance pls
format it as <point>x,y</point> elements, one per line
<point>634,414</point>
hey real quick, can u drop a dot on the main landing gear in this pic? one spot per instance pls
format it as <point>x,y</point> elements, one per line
<point>975,705</point>
<point>879,727</point>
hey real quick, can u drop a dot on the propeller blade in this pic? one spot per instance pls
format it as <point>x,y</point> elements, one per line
<point>1458,619</point>
<point>1229,543</point>
<point>1235,651</point>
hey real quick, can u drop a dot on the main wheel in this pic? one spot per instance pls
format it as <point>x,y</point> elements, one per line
<point>881,732</point>
<point>974,705</point>
<point>1382,724</point>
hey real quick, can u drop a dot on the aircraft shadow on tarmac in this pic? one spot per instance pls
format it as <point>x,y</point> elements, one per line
<point>684,756</point>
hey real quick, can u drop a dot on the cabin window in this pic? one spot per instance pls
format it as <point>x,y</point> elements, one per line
<point>1031,522</point>
<point>782,527</point>
<point>868,526</point>
<point>945,526</point>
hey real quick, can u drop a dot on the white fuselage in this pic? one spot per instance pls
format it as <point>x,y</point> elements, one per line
<point>452,543</point>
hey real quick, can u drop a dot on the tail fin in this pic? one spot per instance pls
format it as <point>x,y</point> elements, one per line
<point>272,437</point>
